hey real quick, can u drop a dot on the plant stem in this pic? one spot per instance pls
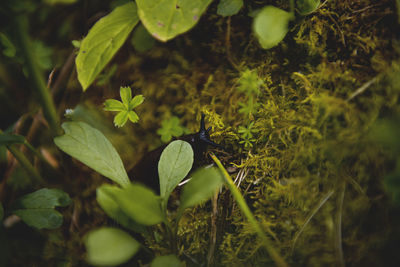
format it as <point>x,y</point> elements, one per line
<point>25,163</point>
<point>292,6</point>
<point>36,77</point>
<point>279,261</point>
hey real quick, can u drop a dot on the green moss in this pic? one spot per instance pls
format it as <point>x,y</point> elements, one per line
<point>312,166</point>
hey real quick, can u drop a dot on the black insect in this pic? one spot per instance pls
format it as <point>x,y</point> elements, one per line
<point>146,170</point>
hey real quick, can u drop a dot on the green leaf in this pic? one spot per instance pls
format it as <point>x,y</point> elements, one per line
<point>9,48</point>
<point>307,6</point>
<point>40,218</point>
<point>175,163</point>
<point>140,204</point>
<point>113,105</point>
<point>103,41</point>
<point>92,148</point>
<point>136,101</point>
<point>37,209</point>
<point>121,118</point>
<point>126,96</point>
<point>142,40</point>
<point>43,198</point>
<point>271,25</point>
<point>170,127</point>
<point>9,139</point>
<point>166,261</point>
<point>108,246</point>
<point>105,197</point>
<point>133,117</point>
<point>167,19</point>
<point>229,7</point>
<point>201,187</point>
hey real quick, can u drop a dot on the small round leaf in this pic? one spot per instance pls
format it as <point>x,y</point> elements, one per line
<point>109,246</point>
<point>271,25</point>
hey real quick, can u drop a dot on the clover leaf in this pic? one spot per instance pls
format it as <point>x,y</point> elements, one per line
<point>124,108</point>
<point>170,128</point>
<point>250,108</point>
<point>247,135</point>
<point>250,83</point>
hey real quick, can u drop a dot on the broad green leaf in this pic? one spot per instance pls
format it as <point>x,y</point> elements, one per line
<point>229,7</point>
<point>201,187</point>
<point>37,209</point>
<point>108,246</point>
<point>271,25</point>
<point>307,6</point>
<point>121,118</point>
<point>40,218</point>
<point>1,212</point>
<point>140,203</point>
<point>166,261</point>
<point>175,163</point>
<point>126,96</point>
<point>92,148</point>
<point>142,39</point>
<point>103,41</point>
<point>105,197</point>
<point>9,139</point>
<point>165,19</point>
<point>113,105</point>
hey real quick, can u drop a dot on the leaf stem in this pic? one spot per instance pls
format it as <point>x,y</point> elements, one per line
<point>22,159</point>
<point>279,261</point>
<point>36,77</point>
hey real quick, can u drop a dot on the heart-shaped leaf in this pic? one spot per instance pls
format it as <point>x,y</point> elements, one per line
<point>37,209</point>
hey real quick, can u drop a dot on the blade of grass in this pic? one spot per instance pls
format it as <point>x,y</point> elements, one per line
<point>309,217</point>
<point>36,76</point>
<point>338,226</point>
<point>279,261</point>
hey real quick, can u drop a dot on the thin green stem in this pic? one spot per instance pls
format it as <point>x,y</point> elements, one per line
<point>292,6</point>
<point>279,261</point>
<point>25,163</point>
<point>36,77</point>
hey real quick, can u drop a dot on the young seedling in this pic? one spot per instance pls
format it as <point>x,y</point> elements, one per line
<point>124,108</point>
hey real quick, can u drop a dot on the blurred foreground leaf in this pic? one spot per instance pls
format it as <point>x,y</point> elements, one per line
<point>167,19</point>
<point>109,246</point>
<point>271,25</point>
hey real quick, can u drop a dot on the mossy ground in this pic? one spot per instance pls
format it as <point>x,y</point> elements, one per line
<point>313,174</point>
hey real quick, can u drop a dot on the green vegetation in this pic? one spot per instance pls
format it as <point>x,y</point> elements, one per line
<point>303,95</point>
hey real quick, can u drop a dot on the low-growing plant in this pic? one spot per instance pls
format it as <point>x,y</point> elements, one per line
<point>133,205</point>
<point>124,108</point>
